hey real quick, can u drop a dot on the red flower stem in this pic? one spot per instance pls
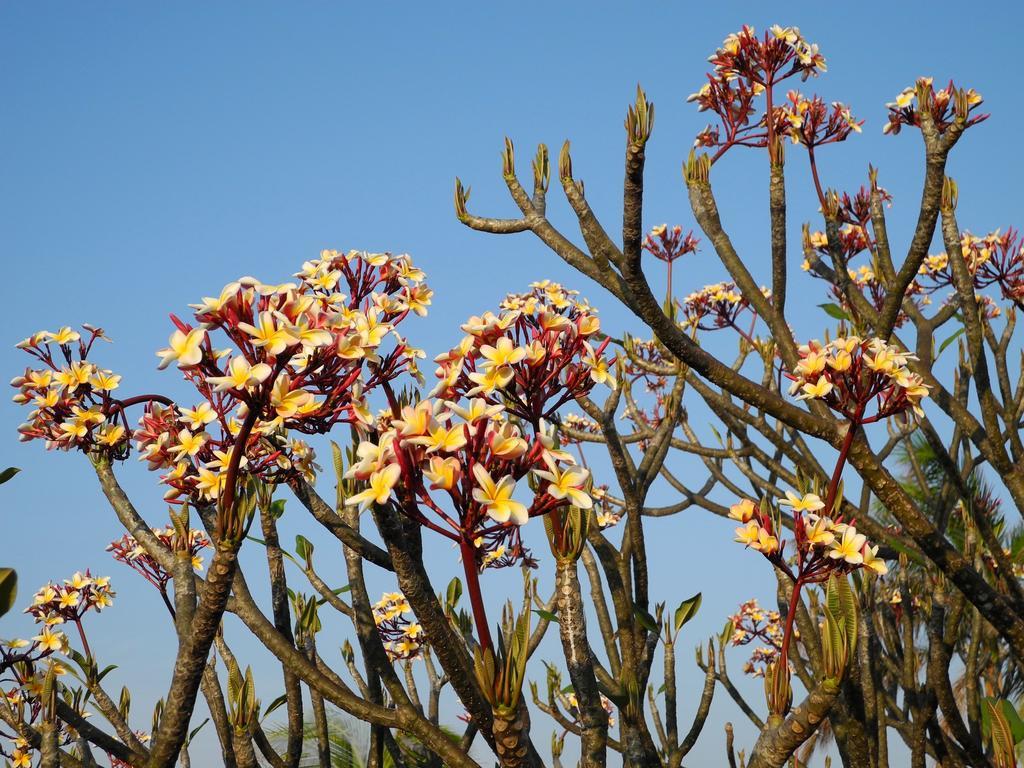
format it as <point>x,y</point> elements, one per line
<point>475,597</point>
<point>844,450</point>
<point>794,600</point>
<point>814,175</point>
<point>81,634</point>
<point>167,602</point>
<point>237,451</point>
<point>830,498</point>
<point>120,405</point>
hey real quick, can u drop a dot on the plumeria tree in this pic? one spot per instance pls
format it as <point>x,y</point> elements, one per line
<point>853,472</point>
<point>903,561</point>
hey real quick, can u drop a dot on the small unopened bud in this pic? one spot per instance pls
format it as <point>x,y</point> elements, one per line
<point>831,205</point>
<point>950,194</point>
<point>461,196</point>
<point>508,159</point>
<point>697,169</point>
<point>541,167</point>
<point>565,163</point>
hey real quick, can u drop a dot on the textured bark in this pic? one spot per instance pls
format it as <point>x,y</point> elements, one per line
<point>191,659</point>
<point>572,629</point>
<point>512,739</point>
<point>283,624</point>
<point>778,742</point>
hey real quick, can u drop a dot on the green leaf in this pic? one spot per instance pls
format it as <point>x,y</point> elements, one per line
<point>8,589</point>
<point>834,310</point>
<point>194,731</point>
<point>646,620</point>
<point>687,610</point>
<point>1014,719</point>
<point>948,341</point>
<point>999,728</point>
<point>338,591</point>
<point>8,473</point>
<point>105,671</point>
<point>454,592</point>
<point>278,702</point>
<point>1009,712</point>
<point>277,508</point>
<point>843,604</point>
<point>726,633</point>
<point>303,547</point>
<point>547,615</point>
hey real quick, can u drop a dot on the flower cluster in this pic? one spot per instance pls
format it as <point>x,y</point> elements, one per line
<point>55,604</point>
<point>463,463</point>
<point>848,372</point>
<point>128,551</point>
<point>853,240</point>
<point>71,600</point>
<point>71,398</point>
<point>810,121</point>
<point>945,106</point>
<point>402,638</point>
<point>746,67</point>
<point>781,53</point>
<point>874,292</point>
<point>541,352</point>
<point>993,259</point>
<point>823,545</point>
<point>752,623</point>
<point>668,244</point>
<point>716,306</point>
<point>303,356</point>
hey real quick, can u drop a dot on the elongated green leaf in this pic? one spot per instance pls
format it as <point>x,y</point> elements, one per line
<point>194,731</point>
<point>454,591</point>
<point>848,611</point>
<point>1002,738</point>
<point>275,704</point>
<point>949,341</point>
<point>1009,714</point>
<point>8,473</point>
<point>548,615</point>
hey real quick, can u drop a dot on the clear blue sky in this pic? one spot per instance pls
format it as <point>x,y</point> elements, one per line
<point>152,153</point>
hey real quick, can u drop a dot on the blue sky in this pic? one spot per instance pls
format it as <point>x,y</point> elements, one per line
<point>152,153</point>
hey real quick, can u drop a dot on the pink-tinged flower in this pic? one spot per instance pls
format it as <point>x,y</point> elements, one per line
<point>270,332</point>
<point>443,474</point>
<point>754,536</point>
<point>186,348</point>
<point>809,502</point>
<point>818,531</point>
<point>379,489</point>
<point>241,375</point>
<point>871,560</point>
<point>849,547</point>
<point>742,511</point>
<point>566,484</point>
